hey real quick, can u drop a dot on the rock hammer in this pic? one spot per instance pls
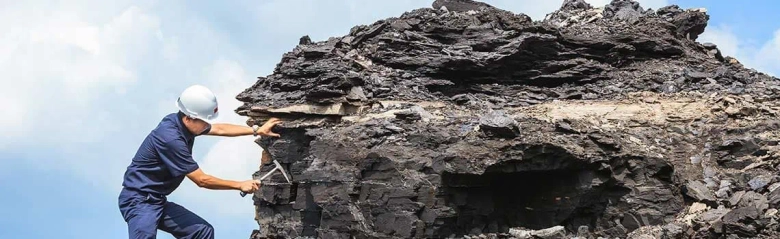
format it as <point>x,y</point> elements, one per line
<point>278,167</point>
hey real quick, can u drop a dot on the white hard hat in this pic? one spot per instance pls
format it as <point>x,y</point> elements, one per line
<point>199,102</point>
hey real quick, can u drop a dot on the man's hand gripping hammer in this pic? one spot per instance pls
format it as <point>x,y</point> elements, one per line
<point>278,167</point>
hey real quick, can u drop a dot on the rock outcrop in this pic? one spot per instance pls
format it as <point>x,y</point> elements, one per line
<point>464,120</point>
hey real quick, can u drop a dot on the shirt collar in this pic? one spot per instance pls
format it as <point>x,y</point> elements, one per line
<point>183,128</point>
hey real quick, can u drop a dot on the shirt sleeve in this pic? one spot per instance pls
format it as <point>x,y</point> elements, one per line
<point>177,158</point>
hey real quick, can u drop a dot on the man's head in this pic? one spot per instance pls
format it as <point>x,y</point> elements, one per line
<point>194,125</point>
<point>199,104</point>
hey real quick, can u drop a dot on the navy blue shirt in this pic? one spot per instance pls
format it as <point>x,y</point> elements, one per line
<point>164,158</point>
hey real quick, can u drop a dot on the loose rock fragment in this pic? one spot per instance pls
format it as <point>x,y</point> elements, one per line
<point>499,124</point>
<point>699,192</point>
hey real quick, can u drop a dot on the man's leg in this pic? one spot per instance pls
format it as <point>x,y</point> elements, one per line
<point>184,224</point>
<point>141,216</point>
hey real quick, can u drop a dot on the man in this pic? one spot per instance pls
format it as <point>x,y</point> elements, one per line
<point>165,158</point>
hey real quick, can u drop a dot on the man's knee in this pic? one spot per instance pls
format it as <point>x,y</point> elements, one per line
<point>204,231</point>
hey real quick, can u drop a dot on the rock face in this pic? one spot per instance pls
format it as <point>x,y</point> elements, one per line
<point>464,120</point>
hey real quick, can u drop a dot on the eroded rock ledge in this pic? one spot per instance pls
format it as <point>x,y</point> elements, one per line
<point>464,120</point>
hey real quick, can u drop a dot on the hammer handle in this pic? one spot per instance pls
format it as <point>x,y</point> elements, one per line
<point>265,176</point>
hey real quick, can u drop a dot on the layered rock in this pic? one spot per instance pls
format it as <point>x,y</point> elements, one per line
<point>466,120</point>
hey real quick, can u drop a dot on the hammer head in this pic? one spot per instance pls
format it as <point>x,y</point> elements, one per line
<point>279,166</point>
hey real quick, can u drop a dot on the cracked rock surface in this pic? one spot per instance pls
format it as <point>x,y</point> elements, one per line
<point>464,120</point>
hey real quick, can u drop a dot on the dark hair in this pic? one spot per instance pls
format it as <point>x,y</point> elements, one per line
<point>182,115</point>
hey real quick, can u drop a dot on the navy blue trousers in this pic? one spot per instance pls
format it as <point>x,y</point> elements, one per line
<point>145,213</point>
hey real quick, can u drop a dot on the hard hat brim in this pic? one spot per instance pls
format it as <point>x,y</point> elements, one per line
<point>209,119</point>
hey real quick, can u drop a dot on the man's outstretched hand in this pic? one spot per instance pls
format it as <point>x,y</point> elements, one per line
<point>265,130</point>
<point>250,186</point>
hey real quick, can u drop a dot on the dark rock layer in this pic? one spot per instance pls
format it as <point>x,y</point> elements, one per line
<point>467,120</point>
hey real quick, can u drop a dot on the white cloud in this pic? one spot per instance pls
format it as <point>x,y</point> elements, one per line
<point>170,47</point>
<point>83,80</point>
<point>765,58</point>
<point>768,57</point>
<point>56,66</point>
<point>721,35</point>
<point>227,79</point>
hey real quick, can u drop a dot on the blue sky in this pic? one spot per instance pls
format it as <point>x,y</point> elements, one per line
<point>91,78</point>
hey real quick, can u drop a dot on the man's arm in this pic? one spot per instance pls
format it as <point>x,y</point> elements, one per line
<point>178,159</point>
<point>232,130</point>
<point>229,130</point>
<point>207,181</point>
<point>204,180</point>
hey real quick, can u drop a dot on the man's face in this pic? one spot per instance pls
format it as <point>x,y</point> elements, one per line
<point>196,126</point>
